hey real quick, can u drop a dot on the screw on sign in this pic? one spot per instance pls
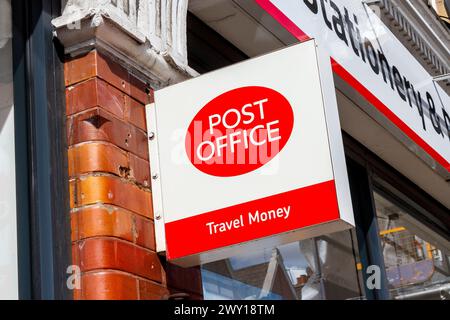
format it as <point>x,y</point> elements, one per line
<point>239,131</point>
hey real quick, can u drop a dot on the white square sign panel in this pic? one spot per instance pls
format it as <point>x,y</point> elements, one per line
<point>247,157</point>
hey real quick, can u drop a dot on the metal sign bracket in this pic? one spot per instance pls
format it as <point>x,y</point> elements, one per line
<point>158,211</point>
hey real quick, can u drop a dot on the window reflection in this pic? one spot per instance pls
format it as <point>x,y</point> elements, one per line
<point>312,269</point>
<point>5,55</point>
<point>415,257</point>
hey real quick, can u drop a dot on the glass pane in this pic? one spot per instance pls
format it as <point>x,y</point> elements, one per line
<point>415,257</point>
<point>312,269</point>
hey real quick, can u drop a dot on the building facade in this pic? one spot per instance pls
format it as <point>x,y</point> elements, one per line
<point>76,198</point>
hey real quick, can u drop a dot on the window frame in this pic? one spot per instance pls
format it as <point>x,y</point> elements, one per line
<point>43,222</point>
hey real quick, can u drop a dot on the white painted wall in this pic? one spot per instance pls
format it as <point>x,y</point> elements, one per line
<point>8,228</point>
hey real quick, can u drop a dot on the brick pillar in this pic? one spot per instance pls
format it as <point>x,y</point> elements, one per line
<point>106,91</point>
<point>110,198</point>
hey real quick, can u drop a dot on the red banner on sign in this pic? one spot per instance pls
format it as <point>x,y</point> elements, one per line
<point>255,219</point>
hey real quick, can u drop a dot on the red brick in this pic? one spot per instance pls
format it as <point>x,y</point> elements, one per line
<point>139,170</point>
<point>101,220</point>
<point>151,291</point>
<point>144,232</point>
<point>75,255</point>
<point>108,285</point>
<point>77,295</point>
<point>97,157</point>
<point>111,190</point>
<point>80,68</point>
<point>111,253</point>
<point>97,93</point>
<point>135,113</point>
<point>116,74</point>
<point>93,93</point>
<point>98,125</point>
<point>81,96</point>
<point>98,64</point>
<point>139,90</point>
<point>72,193</point>
<point>112,225</point>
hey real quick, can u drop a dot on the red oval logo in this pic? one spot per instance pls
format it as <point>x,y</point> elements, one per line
<point>239,131</point>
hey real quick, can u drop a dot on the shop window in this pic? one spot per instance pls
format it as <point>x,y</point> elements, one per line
<point>416,258</point>
<point>325,267</point>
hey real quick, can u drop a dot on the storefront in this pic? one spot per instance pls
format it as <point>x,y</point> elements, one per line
<point>77,215</point>
<point>400,238</point>
<point>399,228</point>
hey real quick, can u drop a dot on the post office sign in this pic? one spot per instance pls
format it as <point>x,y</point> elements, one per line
<point>249,156</point>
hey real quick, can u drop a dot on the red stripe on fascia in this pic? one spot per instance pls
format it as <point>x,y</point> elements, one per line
<point>289,25</point>
<point>372,99</point>
<point>283,20</point>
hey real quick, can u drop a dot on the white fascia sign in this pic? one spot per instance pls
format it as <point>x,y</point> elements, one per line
<point>248,157</point>
<point>369,58</point>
